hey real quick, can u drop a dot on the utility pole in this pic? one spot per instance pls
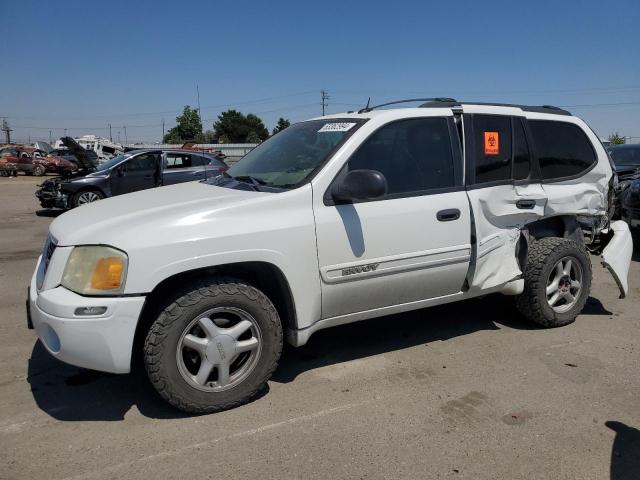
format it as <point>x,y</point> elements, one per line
<point>50,138</point>
<point>65,132</point>
<point>6,129</point>
<point>324,100</point>
<point>110,137</point>
<point>125,135</point>
<point>162,139</point>
<point>199,112</point>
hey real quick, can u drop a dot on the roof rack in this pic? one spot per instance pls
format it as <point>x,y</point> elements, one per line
<point>409,100</point>
<point>444,103</point>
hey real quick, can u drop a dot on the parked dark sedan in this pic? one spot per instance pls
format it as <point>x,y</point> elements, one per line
<point>626,161</point>
<point>129,172</point>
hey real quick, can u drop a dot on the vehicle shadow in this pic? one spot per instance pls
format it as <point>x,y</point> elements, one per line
<point>380,335</point>
<point>71,393</point>
<point>625,452</point>
<point>49,212</point>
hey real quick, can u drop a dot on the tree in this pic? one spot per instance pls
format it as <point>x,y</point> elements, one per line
<point>616,139</point>
<point>234,127</point>
<point>188,128</point>
<point>281,125</point>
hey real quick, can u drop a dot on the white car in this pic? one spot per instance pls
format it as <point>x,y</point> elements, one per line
<point>333,220</point>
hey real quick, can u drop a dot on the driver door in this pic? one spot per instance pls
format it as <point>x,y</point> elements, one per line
<point>137,173</point>
<point>409,245</point>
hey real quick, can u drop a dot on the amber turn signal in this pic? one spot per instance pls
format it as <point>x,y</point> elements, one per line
<point>107,274</point>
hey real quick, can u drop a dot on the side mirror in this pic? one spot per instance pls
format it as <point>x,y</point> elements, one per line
<point>359,185</point>
<point>120,171</point>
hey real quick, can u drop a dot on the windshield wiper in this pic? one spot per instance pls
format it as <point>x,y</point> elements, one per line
<point>256,183</point>
<point>249,179</point>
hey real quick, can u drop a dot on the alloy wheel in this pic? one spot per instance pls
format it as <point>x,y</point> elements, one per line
<point>219,349</point>
<point>88,197</point>
<point>564,284</point>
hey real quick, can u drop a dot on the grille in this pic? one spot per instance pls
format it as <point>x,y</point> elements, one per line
<point>49,247</point>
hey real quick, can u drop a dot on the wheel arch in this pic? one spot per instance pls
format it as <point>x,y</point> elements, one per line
<point>265,276</point>
<point>561,226</point>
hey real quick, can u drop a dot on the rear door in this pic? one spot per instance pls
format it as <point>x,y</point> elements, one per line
<point>182,167</point>
<point>504,191</point>
<point>410,245</point>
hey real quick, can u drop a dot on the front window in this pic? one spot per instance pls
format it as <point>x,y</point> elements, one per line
<point>626,156</point>
<point>289,158</point>
<point>110,163</point>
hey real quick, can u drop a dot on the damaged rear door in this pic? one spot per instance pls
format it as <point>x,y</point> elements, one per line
<point>504,191</point>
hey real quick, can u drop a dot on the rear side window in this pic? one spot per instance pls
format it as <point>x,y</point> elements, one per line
<point>562,148</point>
<point>414,155</point>
<point>492,134</point>
<point>178,160</point>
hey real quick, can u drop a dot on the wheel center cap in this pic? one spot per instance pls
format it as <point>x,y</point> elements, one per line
<point>564,284</point>
<point>221,349</point>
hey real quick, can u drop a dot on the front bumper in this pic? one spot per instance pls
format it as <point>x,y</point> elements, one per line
<point>102,342</point>
<point>52,198</point>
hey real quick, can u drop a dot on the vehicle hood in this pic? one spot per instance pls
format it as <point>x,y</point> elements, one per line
<point>623,167</point>
<point>150,214</point>
<point>87,159</point>
<point>44,146</point>
<point>627,172</point>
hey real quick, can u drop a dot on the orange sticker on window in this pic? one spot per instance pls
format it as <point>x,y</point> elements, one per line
<point>491,143</point>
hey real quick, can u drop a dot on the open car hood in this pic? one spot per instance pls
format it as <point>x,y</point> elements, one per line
<point>44,146</point>
<point>87,159</point>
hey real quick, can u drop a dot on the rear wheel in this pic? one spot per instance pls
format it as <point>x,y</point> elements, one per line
<point>214,346</point>
<point>557,281</point>
<point>87,196</point>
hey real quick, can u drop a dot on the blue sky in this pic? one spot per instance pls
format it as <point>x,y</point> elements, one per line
<point>82,65</point>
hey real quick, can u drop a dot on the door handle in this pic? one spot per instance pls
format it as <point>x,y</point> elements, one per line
<point>525,204</point>
<point>199,172</point>
<point>448,215</point>
<point>148,177</point>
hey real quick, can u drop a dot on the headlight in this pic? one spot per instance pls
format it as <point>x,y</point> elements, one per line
<point>95,270</point>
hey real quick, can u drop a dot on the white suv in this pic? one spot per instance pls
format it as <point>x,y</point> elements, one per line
<point>333,220</point>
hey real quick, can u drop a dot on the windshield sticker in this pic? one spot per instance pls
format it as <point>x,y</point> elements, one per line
<point>491,143</point>
<point>336,127</point>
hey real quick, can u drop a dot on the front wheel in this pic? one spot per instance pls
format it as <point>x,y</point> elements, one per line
<point>39,170</point>
<point>557,282</point>
<point>86,196</point>
<point>214,346</point>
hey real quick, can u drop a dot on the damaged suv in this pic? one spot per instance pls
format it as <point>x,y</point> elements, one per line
<point>333,220</point>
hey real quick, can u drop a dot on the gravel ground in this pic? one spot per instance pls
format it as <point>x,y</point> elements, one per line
<point>464,391</point>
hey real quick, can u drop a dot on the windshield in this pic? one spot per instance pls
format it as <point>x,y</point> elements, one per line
<point>287,159</point>
<point>626,155</point>
<point>110,163</point>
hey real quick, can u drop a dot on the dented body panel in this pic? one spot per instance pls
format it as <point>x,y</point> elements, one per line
<point>616,256</point>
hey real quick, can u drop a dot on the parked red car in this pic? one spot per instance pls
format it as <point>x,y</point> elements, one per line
<point>55,164</point>
<point>15,159</point>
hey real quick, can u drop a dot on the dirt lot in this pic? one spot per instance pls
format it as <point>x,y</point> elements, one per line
<point>466,391</point>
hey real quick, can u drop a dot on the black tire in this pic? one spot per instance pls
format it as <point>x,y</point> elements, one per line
<point>76,201</point>
<point>164,335</point>
<point>39,171</point>
<point>542,257</point>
